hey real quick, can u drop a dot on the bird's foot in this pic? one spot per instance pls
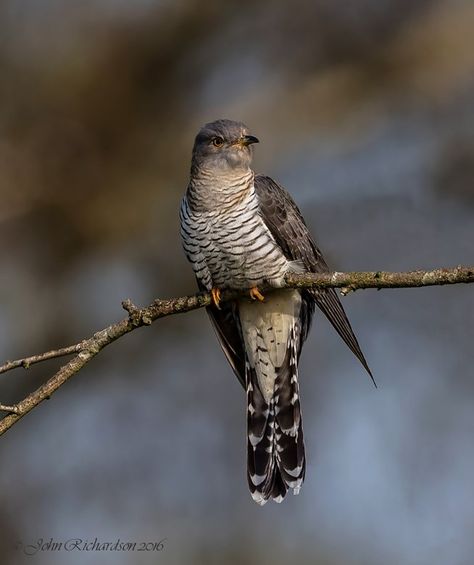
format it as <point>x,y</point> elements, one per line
<point>216,297</point>
<point>255,294</point>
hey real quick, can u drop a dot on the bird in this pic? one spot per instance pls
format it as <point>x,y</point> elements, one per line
<point>243,231</point>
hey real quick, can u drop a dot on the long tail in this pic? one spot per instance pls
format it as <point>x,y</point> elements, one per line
<point>275,448</point>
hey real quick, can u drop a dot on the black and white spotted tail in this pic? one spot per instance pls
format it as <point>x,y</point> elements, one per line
<point>275,448</point>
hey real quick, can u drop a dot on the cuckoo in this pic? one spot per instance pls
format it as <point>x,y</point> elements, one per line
<point>243,231</point>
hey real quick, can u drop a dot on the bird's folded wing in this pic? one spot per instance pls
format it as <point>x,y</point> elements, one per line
<point>225,322</point>
<point>285,222</point>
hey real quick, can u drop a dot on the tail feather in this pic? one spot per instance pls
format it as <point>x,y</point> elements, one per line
<point>275,447</point>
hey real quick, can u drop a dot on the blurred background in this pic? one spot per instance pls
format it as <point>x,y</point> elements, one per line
<point>365,112</point>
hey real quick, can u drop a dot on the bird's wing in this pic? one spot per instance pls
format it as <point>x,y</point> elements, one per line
<point>225,322</point>
<point>285,222</point>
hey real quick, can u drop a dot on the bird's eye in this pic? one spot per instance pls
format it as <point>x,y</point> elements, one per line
<point>217,141</point>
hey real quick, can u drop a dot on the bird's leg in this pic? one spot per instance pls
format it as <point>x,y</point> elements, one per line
<point>216,296</point>
<point>255,294</point>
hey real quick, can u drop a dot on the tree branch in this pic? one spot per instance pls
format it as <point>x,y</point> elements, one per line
<point>382,279</point>
<point>137,317</point>
<point>27,361</point>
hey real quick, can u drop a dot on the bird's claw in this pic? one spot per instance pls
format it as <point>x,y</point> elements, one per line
<point>216,297</point>
<point>255,294</point>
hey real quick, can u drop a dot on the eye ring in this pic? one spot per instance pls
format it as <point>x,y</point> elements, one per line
<point>218,141</point>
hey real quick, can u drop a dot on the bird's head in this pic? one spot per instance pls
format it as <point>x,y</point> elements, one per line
<point>224,145</point>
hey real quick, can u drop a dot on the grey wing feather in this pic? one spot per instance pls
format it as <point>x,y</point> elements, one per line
<point>284,220</point>
<point>225,322</point>
<point>226,325</point>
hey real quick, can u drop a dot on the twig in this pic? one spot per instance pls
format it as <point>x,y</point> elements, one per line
<point>5,408</point>
<point>138,317</point>
<point>27,361</point>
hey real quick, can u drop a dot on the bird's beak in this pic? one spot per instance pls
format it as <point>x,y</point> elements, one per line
<point>248,140</point>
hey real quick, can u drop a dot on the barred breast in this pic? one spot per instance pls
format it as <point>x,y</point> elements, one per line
<point>231,246</point>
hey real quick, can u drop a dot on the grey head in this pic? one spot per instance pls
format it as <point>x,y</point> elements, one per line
<point>223,145</point>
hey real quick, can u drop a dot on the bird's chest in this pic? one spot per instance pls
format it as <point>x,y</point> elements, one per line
<point>230,237</point>
<point>237,248</point>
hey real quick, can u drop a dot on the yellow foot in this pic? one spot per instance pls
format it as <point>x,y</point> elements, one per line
<point>255,294</point>
<point>216,296</point>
